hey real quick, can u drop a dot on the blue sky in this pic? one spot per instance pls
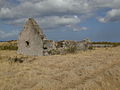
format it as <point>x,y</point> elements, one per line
<point>97,20</point>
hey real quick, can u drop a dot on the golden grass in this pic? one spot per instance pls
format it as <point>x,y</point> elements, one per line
<point>90,70</point>
<point>10,45</point>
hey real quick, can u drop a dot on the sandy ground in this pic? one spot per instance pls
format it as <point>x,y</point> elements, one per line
<point>90,70</point>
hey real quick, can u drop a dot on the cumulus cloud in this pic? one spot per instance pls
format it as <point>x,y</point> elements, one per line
<point>5,13</point>
<point>107,3</point>
<point>3,3</point>
<point>58,13</point>
<point>38,8</point>
<point>17,22</point>
<point>77,28</point>
<point>47,7</point>
<point>112,16</point>
<point>54,14</point>
<point>49,13</point>
<point>49,22</point>
<point>101,19</point>
<point>4,35</point>
<point>57,21</point>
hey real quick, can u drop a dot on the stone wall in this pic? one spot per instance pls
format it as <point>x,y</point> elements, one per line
<point>51,47</point>
<point>31,39</point>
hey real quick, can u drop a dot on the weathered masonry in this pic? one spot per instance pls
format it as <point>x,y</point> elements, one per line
<point>31,39</point>
<point>33,42</point>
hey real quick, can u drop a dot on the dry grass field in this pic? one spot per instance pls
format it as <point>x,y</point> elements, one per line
<point>89,70</point>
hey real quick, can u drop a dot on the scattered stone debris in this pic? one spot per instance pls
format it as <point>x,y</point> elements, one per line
<point>32,41</point>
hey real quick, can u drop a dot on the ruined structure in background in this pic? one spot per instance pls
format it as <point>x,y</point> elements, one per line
<point>32,41</point>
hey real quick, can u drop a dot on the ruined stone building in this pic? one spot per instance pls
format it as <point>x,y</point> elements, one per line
<point>32,41</point>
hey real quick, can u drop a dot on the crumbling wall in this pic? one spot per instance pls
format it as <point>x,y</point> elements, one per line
<point>62,47</point>
<point>48,45</point>
<point>31,39</point>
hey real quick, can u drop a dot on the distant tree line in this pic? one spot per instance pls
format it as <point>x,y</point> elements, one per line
<point>114,44</point>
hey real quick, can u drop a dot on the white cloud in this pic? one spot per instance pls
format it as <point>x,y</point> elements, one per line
<point>38,8</point>
<point>59,12</point>
<point>52,14</point>
<point>57,21</point>
<point>3,3</point>
<point>48,7</point>
<point>77,28</point>
<point>101,19</point>
<point>18,22</point>
<point>49,22</point>
<point>107,3</point>
<point>5,13</point>
<point>4,35</point>
<point>111,16</point>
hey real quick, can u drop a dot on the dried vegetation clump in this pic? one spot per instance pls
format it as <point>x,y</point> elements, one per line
<point>10,45</point>
<point>97,69</point>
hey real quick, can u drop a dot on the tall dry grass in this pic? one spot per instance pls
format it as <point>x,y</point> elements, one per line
<point>90,70</point>
<point>10,45</point>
